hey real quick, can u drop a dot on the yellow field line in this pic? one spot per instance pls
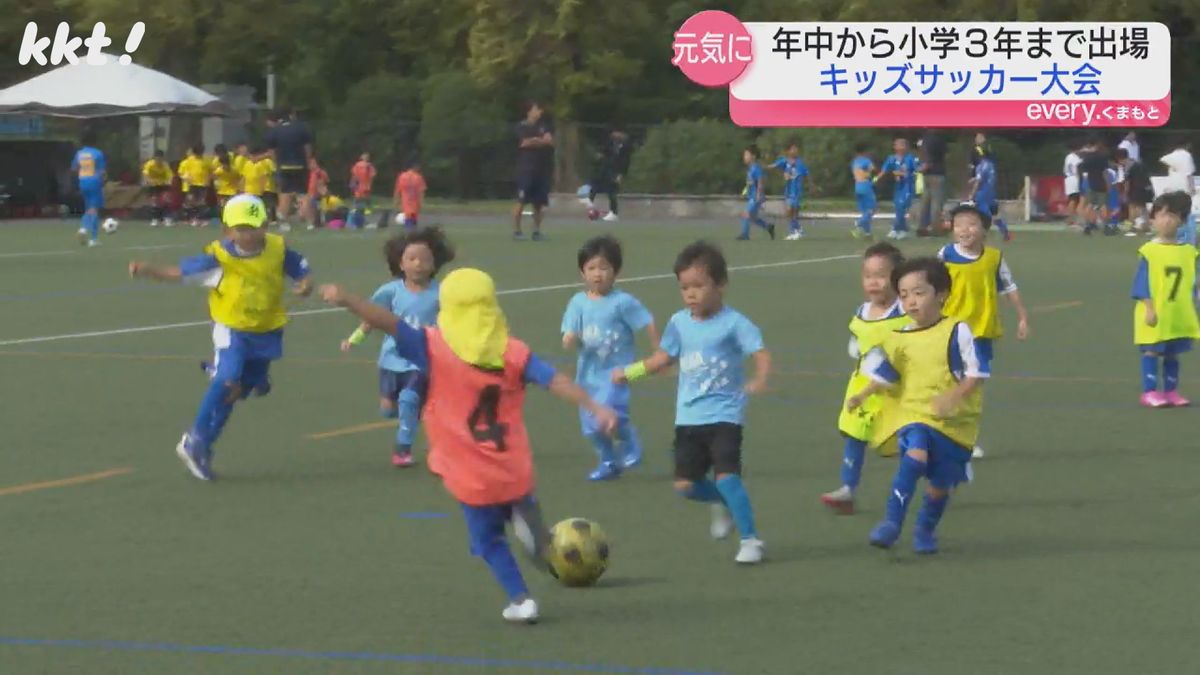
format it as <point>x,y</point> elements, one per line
<point>1055,307</point>
<point>356,429</point>
<point>64,482</point>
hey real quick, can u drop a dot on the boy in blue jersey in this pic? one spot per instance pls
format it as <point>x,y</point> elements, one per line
<point>245,272</point>
<point>862,168</point>
<point>930,381</point>
<point>983,191</point>
<point>902,164</point>
<point>1116,188</point>
<point>89,167</point>
<point>414,259</point>
<point>755,194</point>
<point>602,321</point>
<point>709,341</point>
<point>794,172</point>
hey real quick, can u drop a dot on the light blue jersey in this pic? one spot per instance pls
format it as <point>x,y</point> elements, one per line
<point>416,309</point>
<point>908,164</point>
<point>794,173</point>
<point>605,327</point>
<point>711,354</point>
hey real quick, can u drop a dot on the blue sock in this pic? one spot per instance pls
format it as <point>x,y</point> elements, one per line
<point>738,500</point>
<point>931,511</point>
<point>794,225</point>
<point>627,435</point>
<point>703,490</point>
<point>864,221</point>
<point>904,486</point>
<point>410,417</point>
<point>745,228</point>
<point>1003,227</point>
<point>852,461</point>
<point>1170,373</point>
<point>93,223</point>
<point>603,445</point>
<point>500,561</point>
<point>214,412</point>
<point>1150,373</point>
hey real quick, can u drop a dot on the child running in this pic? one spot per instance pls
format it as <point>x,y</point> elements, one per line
<point>245,273</point>
<point>474,416</point>
<point>930,378</point>
<point>1164,313</point>
<point>414,259</point>
<point>880,315</point>
<point>602,321</point>
<point>710,341</point>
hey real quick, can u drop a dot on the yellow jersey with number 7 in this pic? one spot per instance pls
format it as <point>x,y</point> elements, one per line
<point>1171,277</point>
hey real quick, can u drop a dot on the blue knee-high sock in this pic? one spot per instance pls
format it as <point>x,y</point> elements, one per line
<point>703,490</point>
<point>1170,373</point>
<point>500,561</point>
<point>864,221</point>
<point>1003,227</point>
<point>904,486</point>
<point>1150,373</point>
<point>931,511</point>
<point>794,225</point>
<point>93,224</point>
<point>213,413</point>
<point>853,453</point>
<point>410,417</point>
<point>745,227</point>
<point>733,492</point>
<point>627,435</point>
<point>603,445</point>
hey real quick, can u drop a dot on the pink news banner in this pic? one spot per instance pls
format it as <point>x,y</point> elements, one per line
<point>1017,74</point>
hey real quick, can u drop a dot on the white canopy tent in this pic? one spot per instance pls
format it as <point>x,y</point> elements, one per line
<point>84,91</point>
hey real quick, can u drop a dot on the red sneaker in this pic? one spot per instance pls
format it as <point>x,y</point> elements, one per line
<point>402,460</point>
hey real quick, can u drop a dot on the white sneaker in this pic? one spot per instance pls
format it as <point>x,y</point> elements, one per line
<point>722,522</point>
<point>892,234</point>
<point>899,235</point>
<point>168,223</point>
<point>154,222</point>
<point>750,552</point>
<point>977,452</point>
<point>795,236</point>
<point>525,612</point>
<point>82,235</point>
<point>93,243</point>
<point>611,217</point>
<point>311,227</point>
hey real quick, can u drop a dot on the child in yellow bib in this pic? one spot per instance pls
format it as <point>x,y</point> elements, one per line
<point>245,272</point>
<point>880,315</point>
<point>978,277</point>
<point>1164,313</point>
<point>929,374</point>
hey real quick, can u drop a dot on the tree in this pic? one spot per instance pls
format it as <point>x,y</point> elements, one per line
<point>460,125</point>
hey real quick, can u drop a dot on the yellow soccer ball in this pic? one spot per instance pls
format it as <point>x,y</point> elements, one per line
<point>578,552</point>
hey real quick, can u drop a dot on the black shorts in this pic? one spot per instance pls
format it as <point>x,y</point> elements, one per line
<point>197,194</point>
<point>293,181</point>
<point>533,190</point>
<point>715,447</point>
<point>1140,195</point>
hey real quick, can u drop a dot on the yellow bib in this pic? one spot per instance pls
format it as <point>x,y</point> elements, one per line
<point>973,294</point>
<point>921,357</point>
<point>1172,276</point>
<point>250,295</point>
<point>869,334</point>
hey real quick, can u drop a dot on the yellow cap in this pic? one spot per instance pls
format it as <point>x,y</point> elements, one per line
<point>470,318</point>
<point>244,210</point>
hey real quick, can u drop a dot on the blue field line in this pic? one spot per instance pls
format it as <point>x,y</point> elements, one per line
<point>170,648</point>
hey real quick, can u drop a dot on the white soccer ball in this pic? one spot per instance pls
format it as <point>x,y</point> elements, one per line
<point>399,219</point>
<point>110,225</point>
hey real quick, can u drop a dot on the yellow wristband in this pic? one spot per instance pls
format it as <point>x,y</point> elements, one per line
<point>636,371</point>
<point>356,337</point>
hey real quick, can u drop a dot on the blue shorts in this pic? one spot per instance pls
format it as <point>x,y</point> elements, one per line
<point>533,189</point>
<point>486,523</point>
<point>392,383</point>
<point>948,460</point>
<point>792,201</point>
<point>752,207</point>
<point>985,351</point>
<point>245,357</point>
<point>614,396</point>
<point>1168,347</point>
<point>93,195</point>
<point>866,200</point>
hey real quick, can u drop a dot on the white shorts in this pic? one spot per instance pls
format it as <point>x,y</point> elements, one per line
<point>1071,185</point>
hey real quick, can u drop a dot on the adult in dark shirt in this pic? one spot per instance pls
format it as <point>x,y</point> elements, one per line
<point>932,150</point>
<point>1093,172</point>
<point>292,143</point>
<point>1138,191</point>
<point>535,168</point>
<point>614,162</point>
